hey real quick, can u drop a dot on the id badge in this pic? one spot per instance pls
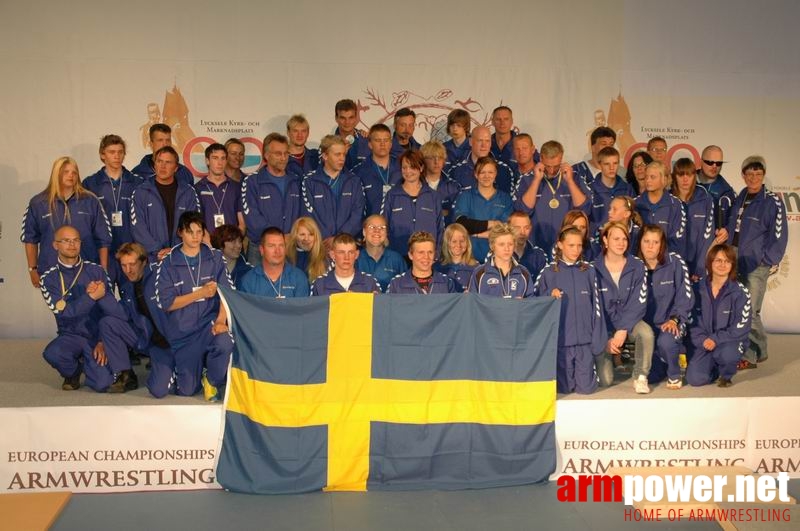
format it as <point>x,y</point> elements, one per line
<point>386,188</point>
<point>116,219</point>
<point>219,219</point>
<point>196,288</point>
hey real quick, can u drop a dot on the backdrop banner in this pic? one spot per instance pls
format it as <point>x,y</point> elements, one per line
<point>634,65</point>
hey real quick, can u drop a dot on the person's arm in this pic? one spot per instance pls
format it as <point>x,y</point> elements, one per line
<point>740,329</point>
<point>139,229</point>
<point>676,239</point>
<point>102,233</point>
<point>251,214</point>
<point>32,257</point>
<point>220,325</point>
<point>778,236</point>
<point>636,305</point>
<point>206,291</point>
<point>103,255</point>
<point>579,198</point>
<point>352,225</point>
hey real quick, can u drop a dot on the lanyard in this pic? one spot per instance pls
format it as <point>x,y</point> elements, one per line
<point>116,197</point>
<point>384,178</point>
<point>279,289</point>
<point>213,197</point>
<point>64,289</point>
<point>195,283</point>
<point>558,184</point>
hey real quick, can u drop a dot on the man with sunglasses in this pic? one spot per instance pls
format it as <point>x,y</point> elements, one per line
<point>709,177</point>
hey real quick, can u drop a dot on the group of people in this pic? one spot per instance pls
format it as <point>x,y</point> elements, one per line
<point>663,261</point>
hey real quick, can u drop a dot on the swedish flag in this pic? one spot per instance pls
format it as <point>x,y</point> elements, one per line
<point>357,391</point>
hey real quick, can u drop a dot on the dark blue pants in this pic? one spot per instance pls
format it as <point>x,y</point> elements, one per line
<point>705,366</point>
<point>575,370</point>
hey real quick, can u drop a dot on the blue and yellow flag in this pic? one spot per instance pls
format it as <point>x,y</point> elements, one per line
<point>356,392</point>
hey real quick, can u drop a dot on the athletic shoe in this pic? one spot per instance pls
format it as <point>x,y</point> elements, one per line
<point>724,382</point>
<point>744,364</point>
<point>73,383</point>
<point>132,381</point>
<point>640,385</point>
<point>210,393</point>
<point>674,384</point>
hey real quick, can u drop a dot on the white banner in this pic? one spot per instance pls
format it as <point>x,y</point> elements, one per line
<point>761,434</point>
<point>109,449</point>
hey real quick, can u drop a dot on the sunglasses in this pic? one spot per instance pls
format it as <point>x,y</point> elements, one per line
<point>717,163</point>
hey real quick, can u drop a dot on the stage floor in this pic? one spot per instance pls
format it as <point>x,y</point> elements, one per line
<point>27,381</point>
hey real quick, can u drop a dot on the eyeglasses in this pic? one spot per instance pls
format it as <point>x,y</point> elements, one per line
<point>69,241</point>
<point>639,165</point>
<point>721,261</point>
<point>754,174</point>
<point>717,163</point>
<point>658,149</point>
<point>377,227</point>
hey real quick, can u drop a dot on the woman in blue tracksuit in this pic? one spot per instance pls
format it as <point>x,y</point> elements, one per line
<point>580,220</point>
<point>64,202</point>
<point>657,206</point>
<point>721,323</point>
<point>582,331</point>
<point>698,206</point>
<point>623,290</point>
<point>481,207</point>
<point>411,206</point>
<point>305,249</point>
<point>758,229</point>
<point>228,240</point>
<point>669,304</point>
<point>501,275</point>
<point>623,210</point>
<point>456,256</point>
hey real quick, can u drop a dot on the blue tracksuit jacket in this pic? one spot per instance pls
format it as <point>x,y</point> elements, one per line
<point>84,213</point>
<point>334,212</point>
<point>264,206</point>
<point>115,196</point>
<point>624,305</point>
<point>149,217</point>
<point>407,215</point>
<point>405,284</point>
<point>764,231</point>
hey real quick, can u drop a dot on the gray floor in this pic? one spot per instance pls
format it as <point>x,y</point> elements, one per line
<point>27,381</point>
<point>529,507</point>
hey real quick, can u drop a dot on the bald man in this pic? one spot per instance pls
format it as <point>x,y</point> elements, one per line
<point>89,320</point>
<point>480,146</point>
<point>709,177</point>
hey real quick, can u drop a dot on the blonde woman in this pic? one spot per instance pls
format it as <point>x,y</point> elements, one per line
<point>304,248</point>
<point>457,261</point>
<point>64,202</point>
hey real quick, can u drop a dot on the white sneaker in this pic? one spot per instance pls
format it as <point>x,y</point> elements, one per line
<point>640,385</point>
<point>674,384</point>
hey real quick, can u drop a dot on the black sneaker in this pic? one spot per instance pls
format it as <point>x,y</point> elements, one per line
<point>131,381</point>
<point>73,383</point>
<point>724,382</point>
<point>119,384</point>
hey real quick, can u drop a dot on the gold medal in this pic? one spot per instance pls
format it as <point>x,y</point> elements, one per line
<point>553,190</point>
<point>62,302</point>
